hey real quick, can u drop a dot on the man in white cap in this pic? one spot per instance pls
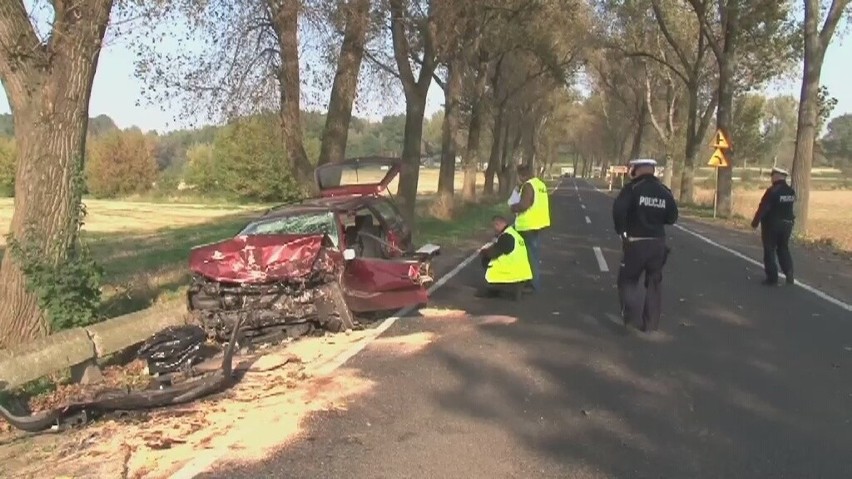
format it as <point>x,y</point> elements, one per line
<point>640,212</point>
<point>775,216</point>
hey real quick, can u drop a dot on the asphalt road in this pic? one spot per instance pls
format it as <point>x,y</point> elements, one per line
<point>745,381</point>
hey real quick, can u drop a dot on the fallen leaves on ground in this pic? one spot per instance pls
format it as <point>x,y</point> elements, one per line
<point>256,417</point>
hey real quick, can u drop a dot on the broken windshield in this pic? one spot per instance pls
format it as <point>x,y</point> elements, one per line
<point>296,224</point>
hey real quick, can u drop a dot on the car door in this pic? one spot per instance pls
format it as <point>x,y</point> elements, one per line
<point>382,283</point>
<point>375,284</point>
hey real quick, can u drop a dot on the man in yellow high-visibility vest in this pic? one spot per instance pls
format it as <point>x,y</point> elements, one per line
<point>506,262</point>
<point>533,217</point>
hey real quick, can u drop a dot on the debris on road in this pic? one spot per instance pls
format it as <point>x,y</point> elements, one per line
<point>79,411</point>
<point>173,349</point>
<point>277,391</point>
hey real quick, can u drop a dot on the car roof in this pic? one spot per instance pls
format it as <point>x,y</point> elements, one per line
<point>336,204</point>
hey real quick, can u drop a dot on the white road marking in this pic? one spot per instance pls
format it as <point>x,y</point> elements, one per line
<point>556,187</point>
<point>203,461</point>
<point>582,206</point>
<point>615,319</point>
<point>821,294</point>
<point>811,289</point>
<point>601,260</point>
<point>588,220</point>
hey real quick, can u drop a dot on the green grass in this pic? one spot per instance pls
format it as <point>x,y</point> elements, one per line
<point>470,223</point>
<point>144,267</point>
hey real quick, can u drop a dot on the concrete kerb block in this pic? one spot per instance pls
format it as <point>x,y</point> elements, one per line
<point>80,348</point>
<point>45,356</point>
<point>117,334</point>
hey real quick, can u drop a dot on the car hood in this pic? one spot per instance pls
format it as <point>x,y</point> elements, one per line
<point>261,258</point>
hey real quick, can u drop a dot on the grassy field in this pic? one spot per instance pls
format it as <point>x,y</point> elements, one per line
<point>830,214</point>
<point>143,246</point>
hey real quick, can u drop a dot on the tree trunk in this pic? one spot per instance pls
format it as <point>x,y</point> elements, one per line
<point>676,174</point>
<point>286,23</point>
<point>415,89</point>
<point>447,173</point>
<point>497,140</point>
<point>687,183</point>
<point>509,175</point>
<point>48,92</point>
<point>576,162</point>
<point>474,133</point>
<point>345,86</point>
<point>409,175</point>
<point>805,137</point>
<point>724,190</point>
<point>636,147</point>
<point>528,134</point>
<point>816,42</point>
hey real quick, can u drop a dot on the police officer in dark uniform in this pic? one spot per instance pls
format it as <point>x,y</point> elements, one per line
<point>640,212</point>
<point>775,216</point>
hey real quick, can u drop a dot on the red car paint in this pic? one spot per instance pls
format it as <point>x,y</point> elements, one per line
<point>257,259</point>
<point>370,284</point>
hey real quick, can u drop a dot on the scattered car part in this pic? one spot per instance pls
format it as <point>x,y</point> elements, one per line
<point>173,349</point>
<point>110,401</point>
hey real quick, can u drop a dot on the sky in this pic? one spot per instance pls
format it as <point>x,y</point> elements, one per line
<point>117,92</point>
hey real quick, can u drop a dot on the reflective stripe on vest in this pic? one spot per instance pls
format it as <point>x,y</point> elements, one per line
<point>513,267</point>
<point>538,215</point>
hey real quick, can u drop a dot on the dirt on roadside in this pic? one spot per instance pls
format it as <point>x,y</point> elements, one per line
<point>262,412</point>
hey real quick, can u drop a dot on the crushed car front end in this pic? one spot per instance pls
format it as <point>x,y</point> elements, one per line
<point>279,285</point>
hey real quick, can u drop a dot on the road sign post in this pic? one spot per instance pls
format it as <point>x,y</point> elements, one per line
<point>619,170</point>
<point>718,160</point>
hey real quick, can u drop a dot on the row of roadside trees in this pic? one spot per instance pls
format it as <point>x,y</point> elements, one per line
<point>509,71</point>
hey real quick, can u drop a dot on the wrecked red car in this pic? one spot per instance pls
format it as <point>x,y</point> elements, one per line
<point>315,262</point>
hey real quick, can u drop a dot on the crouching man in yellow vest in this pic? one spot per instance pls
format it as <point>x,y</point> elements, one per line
<point>533,216</point>
<point>507,266</point>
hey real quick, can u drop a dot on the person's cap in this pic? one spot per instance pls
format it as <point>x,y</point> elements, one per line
<point>643,162</point>
<point>779,171</point>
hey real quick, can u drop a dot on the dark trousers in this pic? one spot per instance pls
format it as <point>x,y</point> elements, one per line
<point>511,290</point>
<point>532,239</point>
<point>648,257</point>
<point>776,242</point>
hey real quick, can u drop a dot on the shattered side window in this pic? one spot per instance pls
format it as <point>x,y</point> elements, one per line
<point>388,212</point>
<point>308,223</point>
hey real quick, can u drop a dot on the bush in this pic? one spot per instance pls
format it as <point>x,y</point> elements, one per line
<point>67,284</point>
<point>247,159</point>
<point>8,162</point>
<point>120,163</point>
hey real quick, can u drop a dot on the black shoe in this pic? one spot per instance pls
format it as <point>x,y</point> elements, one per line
<point>790,280</point>
<point>486,293</point>
<point>770,282</point>
<point>517,294</point>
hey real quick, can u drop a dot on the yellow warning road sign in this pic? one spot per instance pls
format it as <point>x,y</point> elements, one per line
<point>718,159</point>
<point>720,141</point>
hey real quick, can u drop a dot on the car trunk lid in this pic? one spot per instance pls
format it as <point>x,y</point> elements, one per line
<point>357,176</point>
